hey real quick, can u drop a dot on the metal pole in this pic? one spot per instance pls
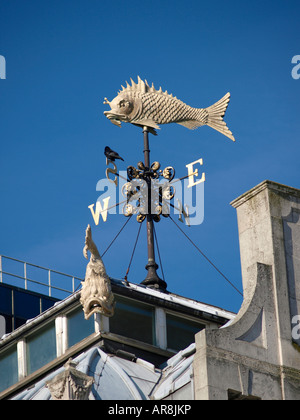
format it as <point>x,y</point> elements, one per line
<point>25,275</point>
<point>49,282</point>
<point>152,280</point>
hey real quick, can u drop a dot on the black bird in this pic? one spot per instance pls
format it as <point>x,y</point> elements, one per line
<point>111,155</point>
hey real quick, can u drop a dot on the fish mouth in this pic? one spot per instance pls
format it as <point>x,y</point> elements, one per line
<point>95,305</point>
<point>115,118</point>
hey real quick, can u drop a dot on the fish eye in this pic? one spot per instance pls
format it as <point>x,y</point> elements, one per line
<point>125,105</point>
<point>122,103</point>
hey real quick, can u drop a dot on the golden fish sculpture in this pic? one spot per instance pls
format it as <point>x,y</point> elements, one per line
<point>143,105</point>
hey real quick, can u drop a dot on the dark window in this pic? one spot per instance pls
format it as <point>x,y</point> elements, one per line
<point>41,347</point>
<point>181,332</point>
<point>8,368</point>
<point>79,327</point>
<point>26,305</point>
<point>8,323</point>
<point>19,322</point>
<point>5,300</point>
<point>47,303</point>
<point>133,320</point>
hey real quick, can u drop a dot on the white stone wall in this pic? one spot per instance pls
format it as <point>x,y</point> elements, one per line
<point>257,355</point>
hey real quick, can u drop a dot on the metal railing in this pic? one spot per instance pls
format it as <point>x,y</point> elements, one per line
<point>30,277</point>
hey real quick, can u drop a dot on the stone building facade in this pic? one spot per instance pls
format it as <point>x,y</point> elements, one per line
<point>257,356</point>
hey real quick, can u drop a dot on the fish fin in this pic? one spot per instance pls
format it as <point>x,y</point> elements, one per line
<point>148,123</point>
<point>191,124</point>
<point>144,87</point>
<point>215,116</point>
<point>116,122</point>
<point>151,130</point>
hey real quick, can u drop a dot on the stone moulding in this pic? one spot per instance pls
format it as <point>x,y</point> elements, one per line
<point>279,188</point>
<point>71,384</point>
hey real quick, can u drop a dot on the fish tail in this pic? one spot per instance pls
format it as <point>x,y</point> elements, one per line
<point>215,116</point>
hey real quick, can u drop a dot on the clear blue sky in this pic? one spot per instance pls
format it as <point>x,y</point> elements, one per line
<point>64,56</point>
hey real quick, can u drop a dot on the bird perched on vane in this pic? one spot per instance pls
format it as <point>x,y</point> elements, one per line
<point>111,155</point>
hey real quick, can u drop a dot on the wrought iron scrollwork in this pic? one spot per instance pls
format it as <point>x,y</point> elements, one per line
<point>146,194</point>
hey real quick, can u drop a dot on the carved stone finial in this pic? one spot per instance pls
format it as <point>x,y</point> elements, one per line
<point>71,384</point>
<point>96,294</point>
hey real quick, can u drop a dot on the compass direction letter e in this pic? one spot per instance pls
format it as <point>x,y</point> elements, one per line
<point>100,210</point>
<point>194,172</point>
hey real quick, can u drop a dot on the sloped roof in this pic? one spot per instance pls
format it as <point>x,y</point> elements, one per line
<point>118,379</point>
<point>176,374</point>
<point>115,378</point>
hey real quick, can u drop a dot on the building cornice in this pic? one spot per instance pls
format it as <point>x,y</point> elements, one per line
<point>270,185</point>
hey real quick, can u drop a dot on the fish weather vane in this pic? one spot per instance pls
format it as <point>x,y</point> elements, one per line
<point>149,190</point>
<point>145,106</point>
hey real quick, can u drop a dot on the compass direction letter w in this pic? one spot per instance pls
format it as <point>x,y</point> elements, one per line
<point>100,210</point>
<point>2,67</point>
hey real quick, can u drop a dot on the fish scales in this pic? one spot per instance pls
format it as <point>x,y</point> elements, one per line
<point>166,110</point>
<point>142,105</point>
